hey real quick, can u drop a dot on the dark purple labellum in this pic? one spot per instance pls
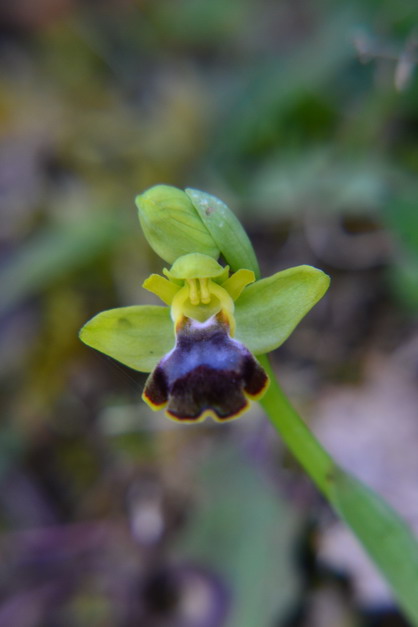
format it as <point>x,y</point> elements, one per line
<point>207,372</point>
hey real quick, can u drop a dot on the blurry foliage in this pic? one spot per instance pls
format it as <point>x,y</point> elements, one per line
<point>231,531</point>
<point>303,116</point>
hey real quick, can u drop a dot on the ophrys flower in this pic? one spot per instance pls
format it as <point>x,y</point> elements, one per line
<point>200,349</point>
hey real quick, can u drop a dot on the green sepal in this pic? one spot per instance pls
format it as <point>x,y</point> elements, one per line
<point>267,311</point>
<point>226,231</point>
<point>172,225</point>
<point>137,336</point>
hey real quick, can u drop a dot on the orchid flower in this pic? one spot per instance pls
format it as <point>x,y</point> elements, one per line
<point>201,348</point>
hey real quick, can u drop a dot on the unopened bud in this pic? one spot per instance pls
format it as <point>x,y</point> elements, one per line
<point>226,230</point>
<point>172,225</point>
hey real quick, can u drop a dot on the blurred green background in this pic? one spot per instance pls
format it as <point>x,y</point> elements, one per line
<point>303,116</point>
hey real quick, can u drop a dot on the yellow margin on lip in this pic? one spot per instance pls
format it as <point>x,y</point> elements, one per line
<point>152,405</point>
<point>208,413</point>
<point>256,397</point>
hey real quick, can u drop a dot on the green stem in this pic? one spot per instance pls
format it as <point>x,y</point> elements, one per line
<point>384,535</point>
<point>294,432</point>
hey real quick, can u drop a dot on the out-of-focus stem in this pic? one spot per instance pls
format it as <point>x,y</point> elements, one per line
<point>296,435</point>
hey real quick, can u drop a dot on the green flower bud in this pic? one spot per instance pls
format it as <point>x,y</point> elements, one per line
<point>226,230</point>
<point>172,225</point>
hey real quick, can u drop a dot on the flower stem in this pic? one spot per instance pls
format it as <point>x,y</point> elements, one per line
<point>296,435</point>
<point>384,535</point>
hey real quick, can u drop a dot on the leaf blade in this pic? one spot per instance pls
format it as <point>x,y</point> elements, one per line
<point>384,535</point>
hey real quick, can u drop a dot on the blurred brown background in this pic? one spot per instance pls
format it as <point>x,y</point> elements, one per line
<point>303,116</point>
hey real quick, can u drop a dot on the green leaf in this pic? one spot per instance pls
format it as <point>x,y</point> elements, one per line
<point>51,254</point>
<point>383,534</point>
<point>245,533</point>
<point>403,279</point>
<point>267,311</point>
<point>268,88</point>
<point>137,336</point>
<point>401,216</point>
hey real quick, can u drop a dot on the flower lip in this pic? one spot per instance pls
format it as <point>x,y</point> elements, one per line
<point>207,373</point>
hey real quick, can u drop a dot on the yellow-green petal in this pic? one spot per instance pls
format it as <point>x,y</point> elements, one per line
<point>137,336</point>
<point>236,283</point>
<point>161,287</point>
<point>267,311</point>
